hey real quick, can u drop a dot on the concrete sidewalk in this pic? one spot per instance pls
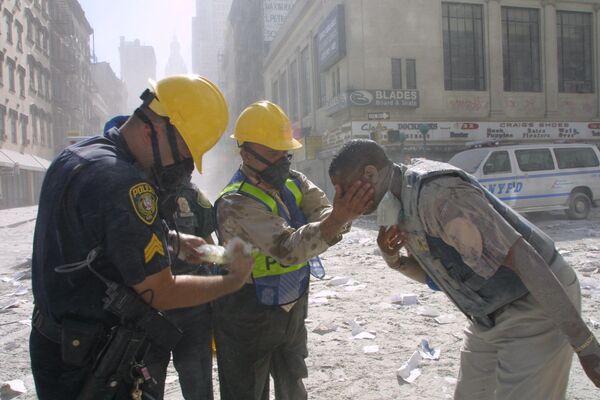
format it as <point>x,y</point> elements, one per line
<point>11,217</point>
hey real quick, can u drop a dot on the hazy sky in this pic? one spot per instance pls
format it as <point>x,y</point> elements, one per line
<point>153,22</point>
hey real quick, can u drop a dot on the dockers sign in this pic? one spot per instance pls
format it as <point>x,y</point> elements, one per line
<point>483,131</point>
<point>377,98</point>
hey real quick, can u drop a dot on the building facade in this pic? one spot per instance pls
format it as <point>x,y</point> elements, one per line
<point>26,132</point>
<point>208,38</point>
<point>110,89</point>
<point>430,78</point>
<point>70,60</point>
<point>138,64</point>
<point>175,63</point>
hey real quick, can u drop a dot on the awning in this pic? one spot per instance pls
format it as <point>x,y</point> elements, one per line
<point>43,162</point>
<point>5,161</point>
<point>24,161</point>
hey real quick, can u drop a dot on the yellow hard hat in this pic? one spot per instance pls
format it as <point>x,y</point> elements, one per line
<point>196,107</point>
<point>265,123</point>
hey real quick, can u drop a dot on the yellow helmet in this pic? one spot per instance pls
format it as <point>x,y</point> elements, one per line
<point>196,107</point>
<point>265,123</point>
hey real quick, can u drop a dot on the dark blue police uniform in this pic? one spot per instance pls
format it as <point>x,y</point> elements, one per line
<point>93,195</point>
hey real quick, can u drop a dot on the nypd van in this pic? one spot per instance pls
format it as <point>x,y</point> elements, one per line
<point>540,177</point>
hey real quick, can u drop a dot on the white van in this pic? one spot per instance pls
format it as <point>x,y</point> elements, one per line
<point>538,177</point>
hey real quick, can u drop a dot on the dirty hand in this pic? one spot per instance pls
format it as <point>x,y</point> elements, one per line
<point>187,247</point>
<point>351,204</point>
<point>390,240</point>
<point>241,264</point>
<point>589,358</point>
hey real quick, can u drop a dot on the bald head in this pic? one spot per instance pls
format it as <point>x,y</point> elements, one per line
<point>354,156</point>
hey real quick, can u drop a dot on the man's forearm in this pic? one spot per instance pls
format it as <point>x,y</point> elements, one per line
<point>408,266</point>
<point>164,291</point>
<point>548,291</point>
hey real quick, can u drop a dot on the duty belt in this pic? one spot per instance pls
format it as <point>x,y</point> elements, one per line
<point>46,326</point>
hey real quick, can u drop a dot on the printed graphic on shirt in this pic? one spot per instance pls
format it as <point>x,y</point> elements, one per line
<point>145,202</point>
<point>154,246</point>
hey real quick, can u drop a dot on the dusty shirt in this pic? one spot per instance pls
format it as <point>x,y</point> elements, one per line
<point>239,215</point>
<point>459,214</point>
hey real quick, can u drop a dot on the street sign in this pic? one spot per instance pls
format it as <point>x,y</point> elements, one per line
<point>378,116</point>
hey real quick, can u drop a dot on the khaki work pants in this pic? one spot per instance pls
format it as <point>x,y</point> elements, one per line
<point>524,356</point>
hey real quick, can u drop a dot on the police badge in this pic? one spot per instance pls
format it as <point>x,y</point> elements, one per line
<point>145,202</point>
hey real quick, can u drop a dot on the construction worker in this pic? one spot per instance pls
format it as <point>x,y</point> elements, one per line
<point>521,298</point>
<point>260,330</point>
<point>187,211</point>
<point>101,264</point>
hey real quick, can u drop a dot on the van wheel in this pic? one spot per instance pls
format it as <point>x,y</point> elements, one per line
<point>579,206</point>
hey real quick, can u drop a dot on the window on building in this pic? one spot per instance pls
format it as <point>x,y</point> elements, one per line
<point>464,67</point>
<point>30,29</point>
<point>40,85</point>
<point>521,49</point>
<point>34,126</point>
<point>322,89</point>
<point>10,64</point>
<point>305,92</point>
<point>534,160</point>
<point>21,73</point>
<point>41,131</point>
<point>335,82</point>
<point>275,92</point>
<point>49,131</point>
<point>1,69</point>
<point>411,73</point>
<point>498,161</point>
<point>19,30</point>
<point>283,92</point>
<point>2,123</point>
<point>8,19</point>
<point>396,73</point>
<point>13,116</point>
<point>582,157</point>
<point>31,76</point>
<point>575,56</point>
<point>23,122</point>
<point>293,74</point>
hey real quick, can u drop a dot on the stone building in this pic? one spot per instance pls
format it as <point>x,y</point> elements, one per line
<point>111,91</point>
<point>138,64</point>
<point>70,59</point>
<point>432,77</point>
<point>26,132</point>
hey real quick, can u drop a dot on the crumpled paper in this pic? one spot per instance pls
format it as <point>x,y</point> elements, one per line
<point>409,372</point>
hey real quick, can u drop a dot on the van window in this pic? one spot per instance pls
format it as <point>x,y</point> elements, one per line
<point>576,158</point>
<point>534,160</point>
<point>497,162</point>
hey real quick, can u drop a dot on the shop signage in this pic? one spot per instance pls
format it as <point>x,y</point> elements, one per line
<point>484,131</point>
<point>274,14</point>
<point>378,116</point>
<point>391,98</point>
<point>331,39</point>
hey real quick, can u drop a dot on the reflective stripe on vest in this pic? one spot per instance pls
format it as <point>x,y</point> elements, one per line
<point>276,284</point>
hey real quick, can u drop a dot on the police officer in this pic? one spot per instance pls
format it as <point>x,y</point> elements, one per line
<point>99,211</point>
<point>522,299</point>
<point>187,211</point>
<point>192,213</point>
<point>260,330</point>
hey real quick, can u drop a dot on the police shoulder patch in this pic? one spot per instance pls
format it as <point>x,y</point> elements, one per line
<point>202,200</point>
<point>145,201</point>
